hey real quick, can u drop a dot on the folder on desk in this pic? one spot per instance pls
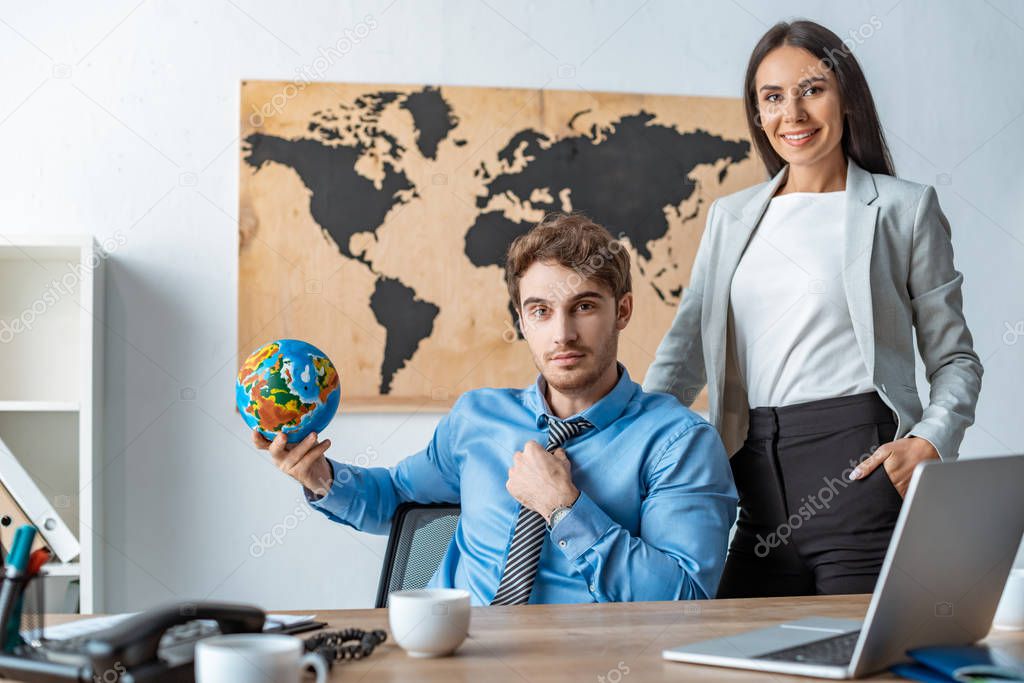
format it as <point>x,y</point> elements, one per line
<point>961,665</point>
<point>12,517</point>
<point>35,506</point>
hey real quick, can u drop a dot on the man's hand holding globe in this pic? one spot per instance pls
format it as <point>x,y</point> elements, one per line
<point>287,391</point>
<point>304,461</point>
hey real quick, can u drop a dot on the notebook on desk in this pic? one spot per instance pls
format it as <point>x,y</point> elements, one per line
<point>81,628</point>
<point>962,665</point>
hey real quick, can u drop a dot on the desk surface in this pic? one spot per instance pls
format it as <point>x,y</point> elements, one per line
<point>606,643</point>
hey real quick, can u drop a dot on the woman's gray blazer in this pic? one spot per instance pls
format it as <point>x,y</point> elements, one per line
<point>899,278</point>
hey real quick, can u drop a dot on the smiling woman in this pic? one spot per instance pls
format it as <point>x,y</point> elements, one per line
<point>804,300</point>
<point>806,98</point>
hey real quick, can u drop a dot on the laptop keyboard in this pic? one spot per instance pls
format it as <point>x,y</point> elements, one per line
<point>837,650</point>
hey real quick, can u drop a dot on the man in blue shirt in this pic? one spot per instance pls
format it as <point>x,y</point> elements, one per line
<point>630,497</point>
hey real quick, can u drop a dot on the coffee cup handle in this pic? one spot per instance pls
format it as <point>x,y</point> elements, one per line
<point>317,662</point>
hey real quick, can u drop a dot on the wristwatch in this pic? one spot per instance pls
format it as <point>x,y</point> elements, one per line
<point>557,514</point>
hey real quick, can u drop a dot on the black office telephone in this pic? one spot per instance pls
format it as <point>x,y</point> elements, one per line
<point>156,646</point>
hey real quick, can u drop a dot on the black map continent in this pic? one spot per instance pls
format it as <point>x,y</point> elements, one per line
<point>623,182</point>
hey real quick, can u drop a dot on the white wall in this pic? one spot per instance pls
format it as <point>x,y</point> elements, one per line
<point>124,118</point>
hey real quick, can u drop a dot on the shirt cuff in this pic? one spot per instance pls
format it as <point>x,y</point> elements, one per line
<point>579,530</point>
<point>335,498</point>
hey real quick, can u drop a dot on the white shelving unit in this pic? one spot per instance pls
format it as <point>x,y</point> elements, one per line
<point>51,361</point>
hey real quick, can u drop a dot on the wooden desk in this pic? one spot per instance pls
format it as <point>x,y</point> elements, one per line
<point>606,643</point>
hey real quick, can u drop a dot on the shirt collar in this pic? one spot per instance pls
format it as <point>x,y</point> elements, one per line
<point>604,412</point>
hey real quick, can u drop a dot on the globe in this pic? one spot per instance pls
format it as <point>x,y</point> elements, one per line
<point>287,386</point>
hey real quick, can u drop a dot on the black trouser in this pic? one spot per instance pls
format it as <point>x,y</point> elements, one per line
<point>804,528</point>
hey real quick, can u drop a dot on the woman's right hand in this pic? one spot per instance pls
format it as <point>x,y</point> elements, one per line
<point>303,461</point>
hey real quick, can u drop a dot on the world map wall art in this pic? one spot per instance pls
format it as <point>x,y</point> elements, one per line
<point>374,219</point>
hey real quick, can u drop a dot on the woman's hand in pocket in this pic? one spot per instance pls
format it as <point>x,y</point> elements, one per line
<point>899,458</point>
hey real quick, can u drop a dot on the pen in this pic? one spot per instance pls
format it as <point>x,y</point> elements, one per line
<point>36,560</point>
<point>23,537</point>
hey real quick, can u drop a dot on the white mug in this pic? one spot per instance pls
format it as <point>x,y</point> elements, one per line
<point>1010,613</point>
<point>255,658</point>
<point>430,622</point>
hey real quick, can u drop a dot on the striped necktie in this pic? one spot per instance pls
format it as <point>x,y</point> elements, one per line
<point>524,552</point>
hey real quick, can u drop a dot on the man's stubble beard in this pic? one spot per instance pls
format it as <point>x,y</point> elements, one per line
<point>601,358</point>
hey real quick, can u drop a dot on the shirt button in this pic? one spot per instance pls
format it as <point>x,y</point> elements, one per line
<point>562,544</point>
<point>592,588</point>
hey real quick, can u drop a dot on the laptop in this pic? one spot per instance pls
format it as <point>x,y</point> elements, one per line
<point>951,551</point>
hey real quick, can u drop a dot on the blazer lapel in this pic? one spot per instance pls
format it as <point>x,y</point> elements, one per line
<point>861,218</point>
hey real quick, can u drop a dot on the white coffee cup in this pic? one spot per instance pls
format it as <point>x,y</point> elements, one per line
<point>1010,613</point>
<point>255,658</point>
<point>429,622</point>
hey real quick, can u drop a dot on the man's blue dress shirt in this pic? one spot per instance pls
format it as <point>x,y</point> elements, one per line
<point>652,521</point>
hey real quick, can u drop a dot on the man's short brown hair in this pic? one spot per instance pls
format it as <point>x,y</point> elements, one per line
<point>575,242</point>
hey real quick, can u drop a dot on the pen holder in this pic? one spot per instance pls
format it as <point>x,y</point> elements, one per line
<point>30,607</point>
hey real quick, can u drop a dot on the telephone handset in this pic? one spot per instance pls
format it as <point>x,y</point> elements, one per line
<point>155,646</point>
<point>135,641</point>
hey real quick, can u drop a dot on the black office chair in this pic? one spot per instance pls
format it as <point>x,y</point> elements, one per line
<point>420,535</point>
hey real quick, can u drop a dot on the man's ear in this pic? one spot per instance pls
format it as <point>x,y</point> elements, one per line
<point>624,311</point>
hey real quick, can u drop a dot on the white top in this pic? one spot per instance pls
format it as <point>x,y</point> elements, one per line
<point>794,335</point>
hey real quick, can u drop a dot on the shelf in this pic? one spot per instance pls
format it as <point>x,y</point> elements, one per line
<point>32,247</point>
<point>51,299</point>
<point>62,569</point>
<point>38,406</point>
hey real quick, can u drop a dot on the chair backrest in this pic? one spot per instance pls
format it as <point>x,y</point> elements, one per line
<point>420,535</point>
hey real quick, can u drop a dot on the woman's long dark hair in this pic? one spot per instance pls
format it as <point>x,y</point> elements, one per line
<point>863,139</point>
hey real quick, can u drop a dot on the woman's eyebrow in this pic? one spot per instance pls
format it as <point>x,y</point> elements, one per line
<point>801,84</point>
<point>813,79</point>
